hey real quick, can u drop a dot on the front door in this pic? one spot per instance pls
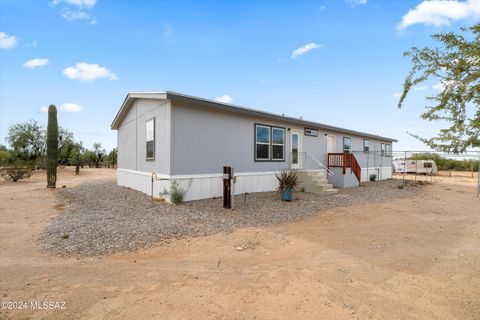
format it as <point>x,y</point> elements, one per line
<point>296,149</point>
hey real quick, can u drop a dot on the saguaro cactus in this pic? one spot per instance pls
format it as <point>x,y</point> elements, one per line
<point>52,147</point>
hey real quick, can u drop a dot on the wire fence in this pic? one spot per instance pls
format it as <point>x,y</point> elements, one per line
<point>426,165</point>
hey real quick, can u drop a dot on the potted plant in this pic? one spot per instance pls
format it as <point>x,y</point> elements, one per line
<point>287,182</point>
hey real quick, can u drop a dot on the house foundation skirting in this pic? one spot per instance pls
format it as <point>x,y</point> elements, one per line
<point>199,186</point>
<point>383,173</point>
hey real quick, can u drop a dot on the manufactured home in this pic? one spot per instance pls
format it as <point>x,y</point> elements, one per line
<point>415,166</point>
<point>166,136</point>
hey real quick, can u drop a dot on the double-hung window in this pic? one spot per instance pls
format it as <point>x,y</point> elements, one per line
<point>382,148</point>
<point>150,139</point>
<point>269,143</point>
<point>388,150</point>
<point>366,145</point>
<point>278,143</point>
<point>347,144</point>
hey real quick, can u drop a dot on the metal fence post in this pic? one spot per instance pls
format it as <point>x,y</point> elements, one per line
<point>478,177</point>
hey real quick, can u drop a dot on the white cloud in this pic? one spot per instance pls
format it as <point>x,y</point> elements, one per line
<point>78,16</point>
<point>440,12</point>
<point>224,99</point>
<point>88,72</point>
<point>6,41</point>
<point>420,88</point>
<point>70,107</point>
<point>78,3</point>
<point>302,50</point>
<point>446,84</point>
<point>32,44</point>
<point>439,86</point>
<point>168,29</point>
<point>35,63</point>
<point>44,109</point>
<point>354,2</point>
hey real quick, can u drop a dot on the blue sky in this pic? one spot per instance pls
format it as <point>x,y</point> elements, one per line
<point>338,62</point>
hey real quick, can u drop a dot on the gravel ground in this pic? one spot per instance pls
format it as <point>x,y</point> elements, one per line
<point>101,218</point>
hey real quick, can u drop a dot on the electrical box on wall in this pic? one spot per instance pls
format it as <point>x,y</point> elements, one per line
<point>311,132</point>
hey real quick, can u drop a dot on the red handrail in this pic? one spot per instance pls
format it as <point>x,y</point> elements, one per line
<point>344,161</point>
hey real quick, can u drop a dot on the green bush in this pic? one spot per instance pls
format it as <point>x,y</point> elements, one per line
<point>176,193</point>
<point>17,170</point>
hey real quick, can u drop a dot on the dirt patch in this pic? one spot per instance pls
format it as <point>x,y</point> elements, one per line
<point>102,218</point>
<point>410,258</point>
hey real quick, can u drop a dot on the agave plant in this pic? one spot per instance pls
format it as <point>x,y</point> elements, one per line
<point>287,180</point>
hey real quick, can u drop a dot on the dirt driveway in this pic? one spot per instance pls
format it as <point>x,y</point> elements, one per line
<point>406,259</point>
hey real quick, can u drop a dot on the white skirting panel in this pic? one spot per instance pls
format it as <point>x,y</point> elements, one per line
<point>383,173</point>
<point>141,181</point>
<point>201,186</point>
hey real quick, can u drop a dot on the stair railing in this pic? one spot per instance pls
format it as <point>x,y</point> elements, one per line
<point>302,158</point>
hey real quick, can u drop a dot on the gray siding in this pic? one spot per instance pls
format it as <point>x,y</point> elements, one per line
<point>192,139</point>
<point>340,180</point>
<point>204,140</point>
<point>131,137</point>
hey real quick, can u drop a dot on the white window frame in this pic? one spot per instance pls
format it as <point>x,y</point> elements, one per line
<point>277,144</point>
<point>388,150</point>
<point>368,145</point>
<point>349,146</point>
<point>382,149</point>
<point>146,141</point>
<point>264,143</point>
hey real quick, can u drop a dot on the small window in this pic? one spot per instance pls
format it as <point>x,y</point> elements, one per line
<point>150,139</point>
<point>347,144</point>
<point>278,143</point>
<point>366,145</point>
<point>383,149</point>
<point>388,150</point>
<point>262,142</point>
<point>427,165</point>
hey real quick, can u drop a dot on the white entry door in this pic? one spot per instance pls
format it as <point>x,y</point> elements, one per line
<point>296,149</point>
<point>330,144</point>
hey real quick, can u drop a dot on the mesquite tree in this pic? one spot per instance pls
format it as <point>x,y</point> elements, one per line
<point>456,65</point>
<point>52,147</point>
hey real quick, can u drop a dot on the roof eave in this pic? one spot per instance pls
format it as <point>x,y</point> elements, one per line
<point>131,96</point>
<point>173,95</point>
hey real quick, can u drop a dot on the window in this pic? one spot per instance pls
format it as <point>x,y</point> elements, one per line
<point>150,138</point>
<point>269,143</point>
<point>278,143</point>
<point>383,149</point>
<point>366,145</point>
<point>388,150</point>
<point>347,144</point>
<point>427,165</point>
<point>262,142</point>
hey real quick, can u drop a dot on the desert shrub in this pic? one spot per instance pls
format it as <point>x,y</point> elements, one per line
<point>287,180</point>
<point>17,170</point>
<point>176,193</point>
<point>373,177</point>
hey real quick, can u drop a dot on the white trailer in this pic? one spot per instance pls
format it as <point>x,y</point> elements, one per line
<point>415,166</point>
